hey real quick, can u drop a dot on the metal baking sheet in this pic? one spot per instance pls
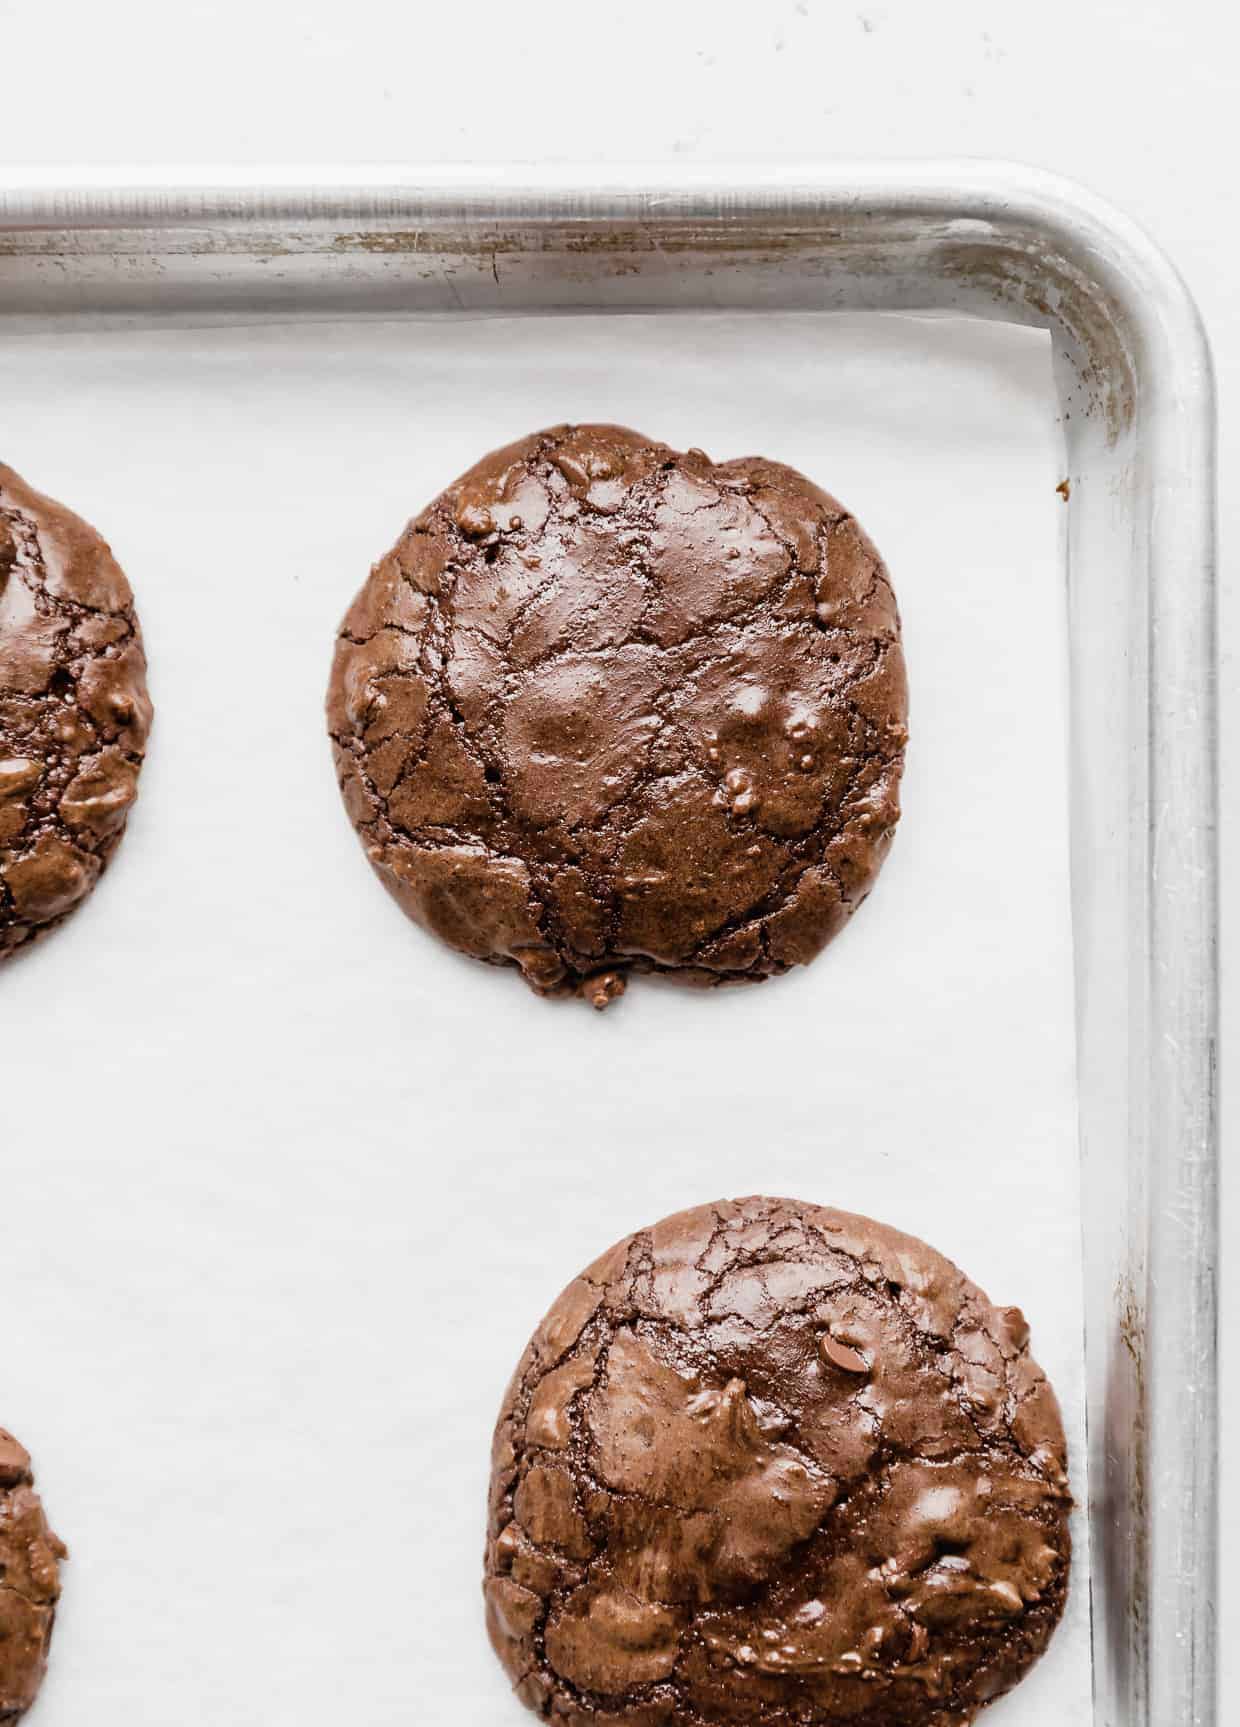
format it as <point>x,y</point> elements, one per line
<point>243,1276</point>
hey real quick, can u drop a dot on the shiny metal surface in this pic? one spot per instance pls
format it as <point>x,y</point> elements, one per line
<point>1134,378</point>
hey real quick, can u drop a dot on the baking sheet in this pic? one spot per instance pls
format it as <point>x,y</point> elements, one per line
<point>288,1185</point>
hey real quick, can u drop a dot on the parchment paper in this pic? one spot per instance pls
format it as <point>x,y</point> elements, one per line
<point>286,1185</point>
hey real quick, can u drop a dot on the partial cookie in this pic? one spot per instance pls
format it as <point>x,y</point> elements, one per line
<point>770,1463</point>
<point>74,712</point>
<point>608,708</point>
<point>29,1582</point>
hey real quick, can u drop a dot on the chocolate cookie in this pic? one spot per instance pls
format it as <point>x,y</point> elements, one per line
<point>29,1582</point>
<point>74,712</point>
<point>767,1463</point>
<point>608,708</point>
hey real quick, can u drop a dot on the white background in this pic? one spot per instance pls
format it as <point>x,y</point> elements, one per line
<point>1137,99</point>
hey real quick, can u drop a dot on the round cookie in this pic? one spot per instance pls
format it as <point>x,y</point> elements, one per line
<point>605,707</point>
<point>771,1463</point>
<point>29,1582</point>
<point>74,712</point>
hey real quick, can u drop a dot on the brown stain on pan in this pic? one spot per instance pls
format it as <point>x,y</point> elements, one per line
<point>1132,1332</point>
<point>586,240</point>
<point>1058,295</point>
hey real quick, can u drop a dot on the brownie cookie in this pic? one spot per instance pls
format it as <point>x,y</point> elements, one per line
<point>767,1464</point>
<point>29,1582</point>
<point>608,708</point>
<point>74,712</point>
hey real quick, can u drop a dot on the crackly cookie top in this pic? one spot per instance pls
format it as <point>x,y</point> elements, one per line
<point>606,707</point>
<point>768,1463</point>
<point>29,1581</point>
<point>74,712</point>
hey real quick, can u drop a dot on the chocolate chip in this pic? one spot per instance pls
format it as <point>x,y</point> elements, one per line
<point>841,1356</point>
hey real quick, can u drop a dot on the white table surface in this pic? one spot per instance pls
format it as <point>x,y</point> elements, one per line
<point>1137,100</point>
